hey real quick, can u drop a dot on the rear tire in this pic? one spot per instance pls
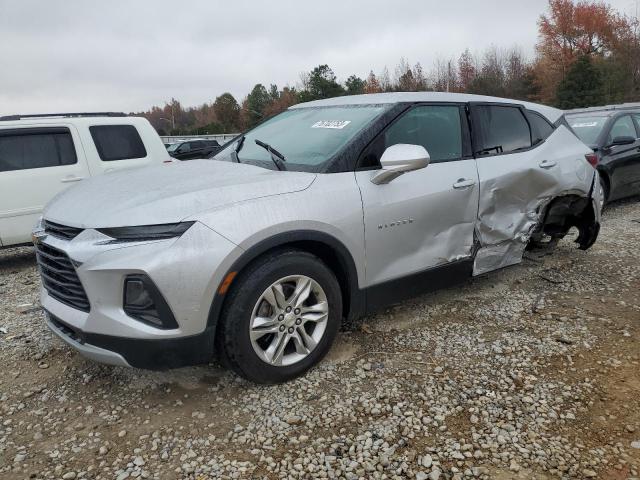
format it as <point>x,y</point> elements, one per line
<point>280,317</point>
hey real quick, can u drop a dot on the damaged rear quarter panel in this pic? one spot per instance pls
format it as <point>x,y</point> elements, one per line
<point>514,189</point>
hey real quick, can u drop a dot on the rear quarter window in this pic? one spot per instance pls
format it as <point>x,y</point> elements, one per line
<point>27,148</point>
<point>117,142</point>
<point>541,128</point>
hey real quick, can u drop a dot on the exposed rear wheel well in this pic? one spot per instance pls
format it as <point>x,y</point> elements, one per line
<point>569,211</point>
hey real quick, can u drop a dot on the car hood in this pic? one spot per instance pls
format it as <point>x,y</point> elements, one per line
<point>167,193</point>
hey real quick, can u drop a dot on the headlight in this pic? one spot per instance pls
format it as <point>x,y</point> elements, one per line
<point>147,232</point>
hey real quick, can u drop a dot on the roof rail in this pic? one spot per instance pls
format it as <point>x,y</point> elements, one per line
<point>622,106</point>
<point>64,115</point>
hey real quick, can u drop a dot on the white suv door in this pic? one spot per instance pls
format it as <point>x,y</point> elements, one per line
<point>35,164</point>
<point>423,218</point>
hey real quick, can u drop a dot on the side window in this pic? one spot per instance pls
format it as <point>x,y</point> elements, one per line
<point>540,127</point>
<point>636,117</point>
<point>502,129</point>
<point>622,127</point>
<point>23,149</point>
<point>117,142</point>
<point>436,127</point>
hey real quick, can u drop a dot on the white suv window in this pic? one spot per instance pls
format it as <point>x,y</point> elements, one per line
<point>22,149</point>
<point>117,142</point>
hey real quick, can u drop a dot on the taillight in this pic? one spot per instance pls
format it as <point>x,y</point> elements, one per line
<point>592,158</point>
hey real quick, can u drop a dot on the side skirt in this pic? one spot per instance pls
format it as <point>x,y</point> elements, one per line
<point>394,291</point>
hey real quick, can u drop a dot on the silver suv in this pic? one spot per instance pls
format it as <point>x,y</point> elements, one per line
<point>329,210</point>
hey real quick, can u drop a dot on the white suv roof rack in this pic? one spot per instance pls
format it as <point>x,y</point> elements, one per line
<point>64,115</point>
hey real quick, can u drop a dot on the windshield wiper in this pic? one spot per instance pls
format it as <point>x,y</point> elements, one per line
<point>238,147</point>
<point>276,156</point>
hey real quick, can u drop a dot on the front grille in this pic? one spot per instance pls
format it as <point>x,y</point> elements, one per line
<point>61,231</point>
<point>59,277</point>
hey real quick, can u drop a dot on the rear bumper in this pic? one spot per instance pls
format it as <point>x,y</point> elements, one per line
<point>134,352</point>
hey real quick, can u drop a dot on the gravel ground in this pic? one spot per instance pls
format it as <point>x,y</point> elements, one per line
<point>530,372</point>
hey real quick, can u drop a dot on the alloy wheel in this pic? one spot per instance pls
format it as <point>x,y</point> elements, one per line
<point>288,320</point>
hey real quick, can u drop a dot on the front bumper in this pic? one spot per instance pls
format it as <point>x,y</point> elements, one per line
<point>131,352</point>
<point>187,272</point>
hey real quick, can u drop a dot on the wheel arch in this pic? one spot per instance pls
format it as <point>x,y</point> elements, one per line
<point>570,210</point>
<point>323,245</point>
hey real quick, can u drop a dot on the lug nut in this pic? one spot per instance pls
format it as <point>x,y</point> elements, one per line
<point>281,317</point>
<point>290,329</point>
<point>298,321</point>
<point>288,309</point>
<point>297,311</point>
<point>282,328</point>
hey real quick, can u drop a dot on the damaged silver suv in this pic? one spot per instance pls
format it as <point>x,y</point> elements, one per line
<point>329,210</point>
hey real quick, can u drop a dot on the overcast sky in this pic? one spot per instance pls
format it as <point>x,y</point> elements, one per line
<point>124,55</point>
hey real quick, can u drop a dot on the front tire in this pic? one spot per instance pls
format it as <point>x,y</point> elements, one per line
<point>280,317</point>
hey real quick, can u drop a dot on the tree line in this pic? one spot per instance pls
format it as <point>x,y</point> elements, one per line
<point>587,54</point>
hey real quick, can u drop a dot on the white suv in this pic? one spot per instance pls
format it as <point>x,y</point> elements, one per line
<point>329,210</point>
<point>41,155</point>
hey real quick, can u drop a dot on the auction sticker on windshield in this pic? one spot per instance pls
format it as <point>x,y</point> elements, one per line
<point>336,124</point>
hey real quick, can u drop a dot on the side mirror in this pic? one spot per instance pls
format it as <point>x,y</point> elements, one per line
<point>623,140</point>
<point>399,159</point>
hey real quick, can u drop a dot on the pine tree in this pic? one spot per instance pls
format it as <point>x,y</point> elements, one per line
<point>582,87</point>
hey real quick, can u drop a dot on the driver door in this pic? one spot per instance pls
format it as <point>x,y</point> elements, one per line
<point>625,159</point>
<point>424,218</point>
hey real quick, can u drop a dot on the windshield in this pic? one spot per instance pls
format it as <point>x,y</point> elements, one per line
<point>306,137</point>
<point>587,128</point>
<point>173,147</point>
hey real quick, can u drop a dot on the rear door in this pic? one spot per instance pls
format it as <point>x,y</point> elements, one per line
<point>521,165</point>
<point>36,163</point>
<point>423,218</point>
<point>114,147</point>
<point>623,160</point>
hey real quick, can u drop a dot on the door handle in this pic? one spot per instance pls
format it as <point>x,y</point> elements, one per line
<point>463,183</point>
<point>547,164</point>
<point>70,179</point>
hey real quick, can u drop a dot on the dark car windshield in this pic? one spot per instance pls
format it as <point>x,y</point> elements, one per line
<point>174,146</point>
<point>306,137</point>
<point>587,127</point>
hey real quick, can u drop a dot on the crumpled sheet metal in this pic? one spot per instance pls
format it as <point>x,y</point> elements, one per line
<point>511,205</point>
<point>504,233</point>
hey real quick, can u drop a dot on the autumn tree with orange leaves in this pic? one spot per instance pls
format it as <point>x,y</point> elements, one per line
<point>587,54</point>
<point>572,30</point>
